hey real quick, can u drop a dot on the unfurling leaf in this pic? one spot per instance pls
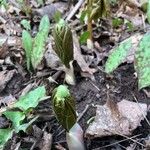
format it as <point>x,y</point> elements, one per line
<point>142,62</point>
<point>31,99</point>
<point>27,45</point>
<point>98,9</point>
<point>117,56</point>
<point>63,42</point>
<point>64,107</point>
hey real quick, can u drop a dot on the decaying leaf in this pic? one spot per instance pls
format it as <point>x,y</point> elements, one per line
<point>142,61</point>
<point>119,120</point>
<point>79,58</point>
<point>5,77</point>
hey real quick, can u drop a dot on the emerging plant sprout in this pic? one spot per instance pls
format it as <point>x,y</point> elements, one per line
<point>64,108</point>
<point>64,48</point>
<point>95,9</point>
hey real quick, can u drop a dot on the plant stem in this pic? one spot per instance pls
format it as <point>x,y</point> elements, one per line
<point>69,76</point>
<point>89,28</point>
<point>75,138</point>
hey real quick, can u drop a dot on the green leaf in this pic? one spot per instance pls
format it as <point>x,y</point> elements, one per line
<point>57,16</point>
<point>117,56</point>
<point>38,49</point>
<point>25,126</point>
<point>16,117</point>
<point>116,22</point>
<point>142,62</point>
<point>31,99</point>
<point>44,24</point>
<point>148,11</point>
<point>27,45</point>
<point>40,42</point>
<point>5,135</point>
<point>63,42</point>
<point>26,24</point>
<point>84,37</point>
<point>64,107</point>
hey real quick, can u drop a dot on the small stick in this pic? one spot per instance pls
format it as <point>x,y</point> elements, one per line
<point>77,6</point>
<point>116,142</point>
<point>141,109</point>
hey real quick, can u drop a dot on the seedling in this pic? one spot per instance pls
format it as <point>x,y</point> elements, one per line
<point>64,48</point>
<point>35,47</point>
<point>94,10</point>
<point>64,108</point>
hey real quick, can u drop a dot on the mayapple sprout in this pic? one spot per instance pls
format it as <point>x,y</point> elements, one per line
<point>95,9</point>
<point>64,48</point>
<point>64,109</point>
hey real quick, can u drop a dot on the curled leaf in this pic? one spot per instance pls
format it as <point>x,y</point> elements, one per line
<point>63,42</point>
<point>64,107</point>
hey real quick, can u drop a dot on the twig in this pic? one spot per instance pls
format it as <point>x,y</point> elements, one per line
<point>117,142</point>
<point>141,110</point>
<point>130,139</point>
<point>74,10</point>
<point>83,112</point>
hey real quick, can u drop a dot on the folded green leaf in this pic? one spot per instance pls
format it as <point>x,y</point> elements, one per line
<point>117,56</point>
<point>142,62</point>
<point>31,99</point>
<point>27,45</point>
<point>64,107</point>
<point>63,42</point>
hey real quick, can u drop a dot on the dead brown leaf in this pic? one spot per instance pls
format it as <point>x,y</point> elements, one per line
<point>79,58</point>
<point>5,77</point>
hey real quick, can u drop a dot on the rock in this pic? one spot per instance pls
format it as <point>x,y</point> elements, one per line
<point>116,119</point>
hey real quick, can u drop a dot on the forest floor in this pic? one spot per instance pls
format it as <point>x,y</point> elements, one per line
<point>90,89</point>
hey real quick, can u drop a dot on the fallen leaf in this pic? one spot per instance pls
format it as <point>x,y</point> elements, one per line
<point>79,58</point>
<point>5,77</point>
<point>3,50</point>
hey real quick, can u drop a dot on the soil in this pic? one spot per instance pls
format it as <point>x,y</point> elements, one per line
<point>122,84</point>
